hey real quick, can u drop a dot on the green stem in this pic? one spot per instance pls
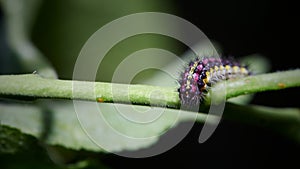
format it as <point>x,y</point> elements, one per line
<point>259,83</point>
<point>32,85</point>
<point>284,120</point>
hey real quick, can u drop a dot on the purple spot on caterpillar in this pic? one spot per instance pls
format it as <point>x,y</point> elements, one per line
<point>194,80</point>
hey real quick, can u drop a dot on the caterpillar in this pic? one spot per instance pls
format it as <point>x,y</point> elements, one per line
<point>201,73</point>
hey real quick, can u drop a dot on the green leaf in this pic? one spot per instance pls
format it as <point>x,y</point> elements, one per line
<point>13,141</point>
<point>19,19</point>
<point>115,133</point>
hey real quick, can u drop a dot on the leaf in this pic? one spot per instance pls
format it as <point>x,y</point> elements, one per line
<point>20,16</point>
<point>109,127</point>
<point>13,141</point>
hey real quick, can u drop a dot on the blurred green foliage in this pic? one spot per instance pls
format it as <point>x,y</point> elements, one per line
<point>62,28</point>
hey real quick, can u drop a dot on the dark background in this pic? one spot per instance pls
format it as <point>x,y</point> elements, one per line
<point>242,28</point>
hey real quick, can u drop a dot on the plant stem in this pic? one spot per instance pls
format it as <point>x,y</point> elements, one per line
<point>259,83</point>
<point>32,85</point>
<point>284,120</point>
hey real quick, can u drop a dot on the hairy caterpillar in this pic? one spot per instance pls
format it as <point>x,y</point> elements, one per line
<point>202,73</point>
